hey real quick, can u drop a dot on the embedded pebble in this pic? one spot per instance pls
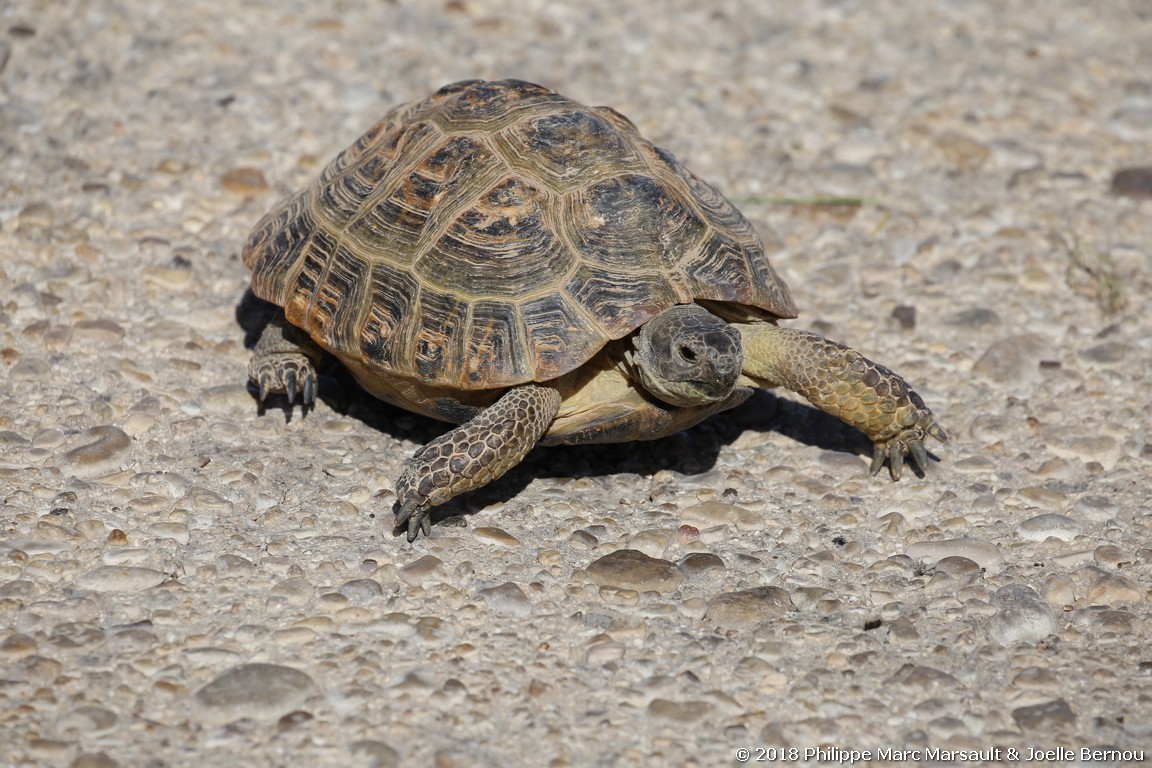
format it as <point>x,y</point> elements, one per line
<point>30,369</point>
<point>244,181</point>
<point>632,569</point>
<point>1014,362</point>
<point>1112,556</point>
<point>258,691</point>
<point>361,591</point>
<point>679,712</point>
<point>976,318</point>
<point>923,680</point>
<point>1103,619</point>
<point>963,569</point>
<point>1049,525</point>
<point>508,599</point>
<point>1095,509</point>
<point>984,553</point>
<point>749,607</point>
<point>1110,353</point>
<point>101,450</point>
<point>1047,717</point>
<point>94,760</point>
<point>1074,443</point>
<point>97,332</point>
<point>88,719</point>
<point>1022,616</point>
<point>962,152</point>
<point>128,578</point>
<point>380,754</point>
<point>1133,182</point>
<point>1113,588</point>
<point>903,630</point>
<point>696,564</point>
<point>712,513</point>
<point>1059,590</point>
<point>497,536</point>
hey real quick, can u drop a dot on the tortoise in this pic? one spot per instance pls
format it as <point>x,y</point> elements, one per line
<point>506,259</point>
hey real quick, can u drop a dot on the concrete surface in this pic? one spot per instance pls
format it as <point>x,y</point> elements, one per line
<point>186,581</point>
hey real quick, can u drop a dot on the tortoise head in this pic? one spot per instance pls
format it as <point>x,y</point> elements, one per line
<point>687,356</point>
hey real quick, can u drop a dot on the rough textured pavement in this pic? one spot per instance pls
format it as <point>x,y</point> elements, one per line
<point>186,581</point>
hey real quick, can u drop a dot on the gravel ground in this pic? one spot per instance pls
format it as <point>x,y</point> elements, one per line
<point>185,580</point>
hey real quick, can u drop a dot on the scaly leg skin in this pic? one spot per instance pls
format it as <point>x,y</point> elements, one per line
<point>283,361</point>
<point>473,454</point>
<point>845,384</point>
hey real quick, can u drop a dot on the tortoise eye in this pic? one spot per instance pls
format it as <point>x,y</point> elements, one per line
<point>688,353</point>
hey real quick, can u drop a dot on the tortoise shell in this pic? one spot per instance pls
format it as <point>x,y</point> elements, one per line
<point>498,233</point>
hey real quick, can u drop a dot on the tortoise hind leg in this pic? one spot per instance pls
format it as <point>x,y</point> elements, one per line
<point>283,361</point>
<point>842,382</point>
<point>473,454</point>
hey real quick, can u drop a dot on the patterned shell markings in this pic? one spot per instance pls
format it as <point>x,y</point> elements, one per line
<point>498,233</point>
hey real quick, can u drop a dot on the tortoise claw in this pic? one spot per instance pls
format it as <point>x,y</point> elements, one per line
<point>896,460</point>
<point>919,455</point>
<point>290,374</point>
<point>908,442</point>
<point>413,516</point>
<point>879,454</point>
<point>290,384</point>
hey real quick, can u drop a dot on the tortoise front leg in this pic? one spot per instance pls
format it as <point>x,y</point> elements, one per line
<point>473,454</point>
<point>842,382</point>
<point>283,360</point>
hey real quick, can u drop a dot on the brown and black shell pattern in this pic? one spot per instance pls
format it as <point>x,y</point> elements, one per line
<point>498,233</point>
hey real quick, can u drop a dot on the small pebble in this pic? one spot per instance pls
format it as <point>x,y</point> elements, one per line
<point>507,599</point>
<point>110,578</point>
<point>496,536</point>
<point>921,680</point>
<point>244,181</point>
<point>632,569</point>
<point>1058,590</point>
<point>1045,718</point>
<point>97,332</point>
<point>1102,619</point>
<point>421,570</point>
<point>679,712</point>
<point>964,570</point>
<point>983,553</point>
<point>1036,679</point>
<point>361,591</point>
<point>1113,588</point>
<point>962,152</point>
<point>902,630</point>
<point>1133,182</point>
<point>1076,443</point>
<point>974,319</point>
<point>748,608</point>
<point>30,369</point>
<point>1049,525</point>
<point>1022,616</point>
<point>379,754</point>
<point>906,316</point>
<point>94,760</point>
<point>100,452</point>
<point>1112,556</point>
<point>263,692</point>
<point>697,564</point>
<point>1014,362</point>
<point>88,719</point>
